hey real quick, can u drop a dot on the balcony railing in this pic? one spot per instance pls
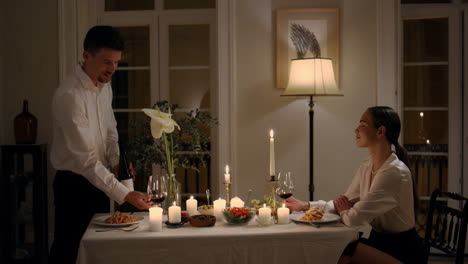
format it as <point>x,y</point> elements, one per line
<point>429,165</point>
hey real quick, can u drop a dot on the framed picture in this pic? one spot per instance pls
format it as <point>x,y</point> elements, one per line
<point>323,23</point>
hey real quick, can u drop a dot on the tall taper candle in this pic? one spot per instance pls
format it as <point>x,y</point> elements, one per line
<point>272,153</point>
<point>227,176</point>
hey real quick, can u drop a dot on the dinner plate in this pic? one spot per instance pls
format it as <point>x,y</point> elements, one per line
<point>101,221</point>
<point>327,218</point>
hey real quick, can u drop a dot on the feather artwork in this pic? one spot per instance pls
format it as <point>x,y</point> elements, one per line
<point>304,40</point>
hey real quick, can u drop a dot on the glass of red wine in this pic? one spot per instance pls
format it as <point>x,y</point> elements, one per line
<point>157,189</point>
<point>285,187</point>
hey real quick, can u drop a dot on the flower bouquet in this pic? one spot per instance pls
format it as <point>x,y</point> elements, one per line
<point>162,126</point>
<point>238,216</point>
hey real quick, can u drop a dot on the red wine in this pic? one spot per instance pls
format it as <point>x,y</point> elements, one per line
<point>285,195</point>
<point>158,199</point>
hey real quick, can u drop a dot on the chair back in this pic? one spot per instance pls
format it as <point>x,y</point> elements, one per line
<point>445,226</point>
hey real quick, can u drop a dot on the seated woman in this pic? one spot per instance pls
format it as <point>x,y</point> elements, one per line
<point>381,194</point>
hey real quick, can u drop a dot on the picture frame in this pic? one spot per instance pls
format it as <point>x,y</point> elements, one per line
<point>323,22</point>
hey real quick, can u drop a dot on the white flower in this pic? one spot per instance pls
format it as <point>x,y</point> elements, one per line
<point>160,122</point>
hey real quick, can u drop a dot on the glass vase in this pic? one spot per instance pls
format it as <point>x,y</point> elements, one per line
<point>173,192</point>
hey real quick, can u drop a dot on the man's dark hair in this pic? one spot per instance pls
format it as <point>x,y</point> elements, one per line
<point>102,37</point>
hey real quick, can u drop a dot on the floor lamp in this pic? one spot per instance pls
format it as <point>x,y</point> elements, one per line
<point>309,77</point>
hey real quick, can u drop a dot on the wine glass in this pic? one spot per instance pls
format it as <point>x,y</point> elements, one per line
<point>285,186</point>
<point>157,189</point>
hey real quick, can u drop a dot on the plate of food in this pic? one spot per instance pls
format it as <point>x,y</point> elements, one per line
<point>117,219</point>
<point>314,216</point>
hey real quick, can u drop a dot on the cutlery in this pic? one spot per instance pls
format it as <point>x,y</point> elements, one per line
<point>128,229</point>
<point>208,195</point>
<point>314,225</point>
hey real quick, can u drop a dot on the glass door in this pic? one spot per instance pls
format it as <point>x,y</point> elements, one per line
<point>431,99</point>
<point>187,72</point>
<point>169,55</point>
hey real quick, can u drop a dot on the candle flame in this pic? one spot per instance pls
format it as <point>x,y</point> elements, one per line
<point>227,169</point>
<point>174,203</point>
<point>421,114</point>
<point>272,133</point>
<point>191,196</point>
<point>284,205</point>
<point>264,205</point>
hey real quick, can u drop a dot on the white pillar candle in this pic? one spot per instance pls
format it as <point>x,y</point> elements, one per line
<point>227,176</point>
<point>218,208</point>
<point>283,215</point>
<point>236,202</point>
<point>155,219</point>
<point>174,214</point>
<point>272,153</point>
<point>192,205</point>
<point>264,215</point>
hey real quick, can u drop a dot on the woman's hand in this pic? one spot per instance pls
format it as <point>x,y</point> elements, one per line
<point>296,205</point>
<point>342,203</point>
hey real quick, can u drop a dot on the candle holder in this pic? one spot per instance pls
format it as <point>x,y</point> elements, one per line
<point>228,193</point>
<point>274,184</point>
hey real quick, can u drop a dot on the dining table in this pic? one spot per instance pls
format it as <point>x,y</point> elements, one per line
<point>291,243</point>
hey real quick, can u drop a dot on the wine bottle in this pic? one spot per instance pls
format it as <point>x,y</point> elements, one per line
<point>124,170</point>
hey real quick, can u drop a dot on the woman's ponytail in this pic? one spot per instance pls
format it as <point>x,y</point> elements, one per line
<point>387,117</point>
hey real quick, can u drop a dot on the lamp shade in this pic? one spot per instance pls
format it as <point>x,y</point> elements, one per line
<point>311,76</point>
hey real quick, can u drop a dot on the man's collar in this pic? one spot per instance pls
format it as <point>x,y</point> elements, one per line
<point>86,80</point>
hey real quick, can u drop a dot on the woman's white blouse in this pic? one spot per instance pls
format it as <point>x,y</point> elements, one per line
<point>386,203</point>
<point>85,135</point>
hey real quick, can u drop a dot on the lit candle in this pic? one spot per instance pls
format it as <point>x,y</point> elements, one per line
<point>227,176</point>
<point>264,215</point>
<point>174,214</point>
<point>192,205</point>
<point>237,202</point>
<point>283,215</point>
<point>272,153</point>
<point>218,208</point>
<point>155,219</point>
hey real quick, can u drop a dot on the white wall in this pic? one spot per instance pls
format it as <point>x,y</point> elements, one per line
<point>260,107</point>
<point>31,45</point>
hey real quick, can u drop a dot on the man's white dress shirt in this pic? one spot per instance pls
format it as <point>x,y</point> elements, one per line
<point>85,139</point>
<point>386,203</point>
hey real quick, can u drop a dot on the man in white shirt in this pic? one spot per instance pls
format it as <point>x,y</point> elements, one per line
<point>85,145</point>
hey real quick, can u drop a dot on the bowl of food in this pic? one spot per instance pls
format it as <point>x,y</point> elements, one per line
<point>206,209</point>
<point>202,220</point>
<point>238,216</point>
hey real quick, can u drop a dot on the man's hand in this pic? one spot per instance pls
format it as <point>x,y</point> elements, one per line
<point>342,203</point>
<point>296,205</point>
<point>139,200</point>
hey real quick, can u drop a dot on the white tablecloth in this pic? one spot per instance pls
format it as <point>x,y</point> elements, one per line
<point>221,244</point>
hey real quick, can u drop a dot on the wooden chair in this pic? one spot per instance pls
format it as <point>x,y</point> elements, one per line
<point>445,226</point>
